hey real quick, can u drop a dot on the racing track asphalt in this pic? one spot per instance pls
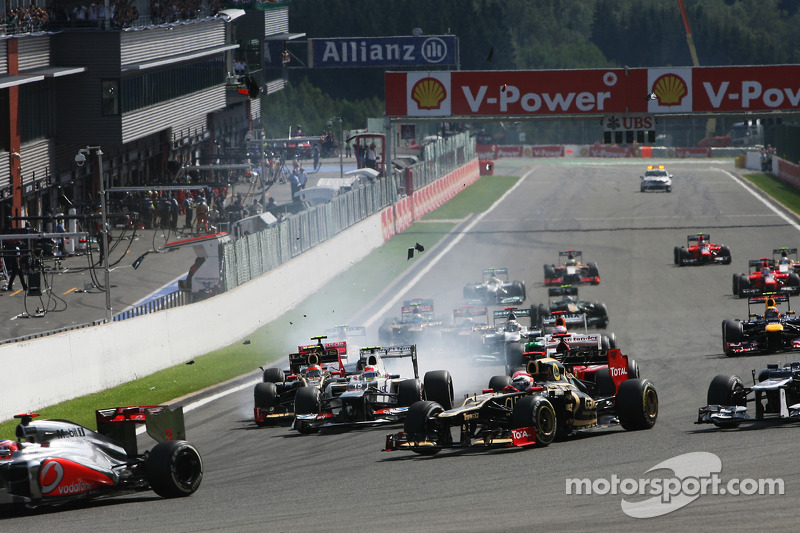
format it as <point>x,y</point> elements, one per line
<point>667,318</point>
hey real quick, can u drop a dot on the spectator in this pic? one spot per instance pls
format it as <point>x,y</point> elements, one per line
<point>14,261</point>
<point>294,180</point>
<point>371,158</point>
<point>188,205</point>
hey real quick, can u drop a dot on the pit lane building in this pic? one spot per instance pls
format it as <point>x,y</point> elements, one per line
<point>153,93</point>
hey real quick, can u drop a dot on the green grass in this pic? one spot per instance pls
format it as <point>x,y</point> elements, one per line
<point>785,194</point>
<point>341,299</point>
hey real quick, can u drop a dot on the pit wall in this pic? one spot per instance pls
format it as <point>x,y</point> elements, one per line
<point>52,369</point>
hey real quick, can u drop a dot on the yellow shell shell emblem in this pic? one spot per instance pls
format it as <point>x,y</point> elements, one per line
<point>428,93</point>
<point>670,89</point>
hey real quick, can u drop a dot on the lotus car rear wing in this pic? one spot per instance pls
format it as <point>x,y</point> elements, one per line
<point>161,423</point>
<point>317,354</point>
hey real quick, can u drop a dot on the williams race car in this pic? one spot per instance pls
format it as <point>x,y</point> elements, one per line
<point>656,179</point>
<point>767,276</point>
<point>775,394</point>
<point>371,395</point>
<point>496,288</point>
<point>531,408</point>
<point>572,272</point>
<point>700,251</point>
<point>417,323</point>
<point>564,301</point>
<point>771,332</point>
<point>56,461</point>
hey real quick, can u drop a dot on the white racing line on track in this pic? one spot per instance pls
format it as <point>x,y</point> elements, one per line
<point>771,207</point>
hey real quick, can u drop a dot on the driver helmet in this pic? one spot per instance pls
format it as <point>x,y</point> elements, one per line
<point>370,373</point>
<point>7,448</point>
<point>314,371</point>
<point>560,330</point>
<point>522,381</point>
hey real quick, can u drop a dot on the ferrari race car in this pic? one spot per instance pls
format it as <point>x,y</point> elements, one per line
<point>417,323</point>
<point>655,178</point>
<point>771,332</point>
<point>775,393</point>
<point>564,301</point>
<point>766,276</point>
<point>371,395</point>
<point>313,366</point>
<point>535,407</point>
<point>700,251</point>
<point>56,461</point>
<point>572,271</point>
<point>496,288</point>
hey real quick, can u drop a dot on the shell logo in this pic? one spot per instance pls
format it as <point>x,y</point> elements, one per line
<point>670,90</point>
<point>428,93</point>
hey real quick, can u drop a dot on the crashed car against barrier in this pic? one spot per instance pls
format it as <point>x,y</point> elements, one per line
<point>655,178</point>
<point>700,250</point>
<point>776,330</point>
<point>767,276</point>
<point>371,395</point>
<point>564,301</point>
<point>775,393</point>
<point>52,462</point>
<point>532,408</point>
<point>572,271</point>
<point>312,366</point>
<point>417,323</point>
<point>495,288</point>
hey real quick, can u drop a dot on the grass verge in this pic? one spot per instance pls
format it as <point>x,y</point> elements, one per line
<point>779,191</point>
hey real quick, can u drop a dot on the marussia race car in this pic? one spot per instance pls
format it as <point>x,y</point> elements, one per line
<point>313,366</point>
<point>575,312</point>
<point>57,461</point>
<point>417,323</point>
<point>771,332</point>
<point>496,288</point>
<point>572,272</point>
<point>371,395</point>
<point>700,251</point>
<point>532,408</point>
<point>766,276</point>
<point>656,178</point>
<point>776,394</point>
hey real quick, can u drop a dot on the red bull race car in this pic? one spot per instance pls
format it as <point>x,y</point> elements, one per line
<point>572,271</point>
<point>700,250</point>
<point>776,330</point>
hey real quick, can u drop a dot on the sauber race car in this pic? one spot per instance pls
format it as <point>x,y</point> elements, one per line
<point>417,323</point>
<point>533,407</point>
<point>775,394</point>
<point>313,366</point>
<point>766,276</point>
<point>371,395</point>
<point>700,251</point>
<point>496,288</point>
<point>656,178</point>
<point>564,301</point>
<point>572,271</point>
<point>56,461</point>
<point>773,331</point>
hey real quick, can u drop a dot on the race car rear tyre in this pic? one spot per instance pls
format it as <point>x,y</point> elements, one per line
<point>604,385</point>
<point>594,272</point>
<point>549,272</point>
<point>744,284</point>
<point>438,386</point>
<point>307,401</point>
<point>408,392</point>
<point>608,342</point>
<point>537,412</point>
<point>418,428</point>
<point>513,356</point>
<point>498,383</point>
<point>732,331</point>
<point>273,375</point>
<point>637,404</point>
<point>174,469</point>
<point>725,254</point>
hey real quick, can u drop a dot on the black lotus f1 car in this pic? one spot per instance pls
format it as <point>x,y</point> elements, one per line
<point>56,461</point>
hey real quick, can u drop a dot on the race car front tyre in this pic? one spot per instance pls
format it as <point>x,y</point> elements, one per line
<point>518,289</point>
<point>549,272</point>
<point>726,390</point>
<point>725,254</point>
<point>793,281</point>
<point>637,404</point>
<point>265,395</point>
<point>676,255</point>
<point>735,284</point>
<point>408,392</point>
<point>418,428</point>
<point>307,400</point>
<point>633,368</point>
<point>537,412</point>
<point>438,386</point>
<point>594,272</point>
<point>732,332</point>
<point>498,383</point>
<point>744,284</point>
<point>174,469</point>
<point>273,375</point>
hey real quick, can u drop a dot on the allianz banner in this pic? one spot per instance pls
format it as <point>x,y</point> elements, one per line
<point>426,50</point>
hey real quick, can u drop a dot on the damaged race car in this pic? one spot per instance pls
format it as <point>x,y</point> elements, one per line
<point>773,331</point>
<point>495,288</point>
<point>564,301</point>
<point>766,276</point>
<point>370,396</point>
<point>417,323</point>
<point>775,394</point>
<point>52,462</point>
<point>532,408</point>
<point>700,250</point>
<point>313,366</point>
<point>572,271</point>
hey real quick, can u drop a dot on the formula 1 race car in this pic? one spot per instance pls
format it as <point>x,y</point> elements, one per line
<point>775,393</point>
<point>767,276</point>
<point>470,322</point>
<point>507,336</point>
<point>700,251</point>
<point>531,408</point>
<point>572,271</point>
<point>313,366</point>
<point>56,461</point>
<point>564,301</point>
<point>371,395</point>
<point>417,323</point>
<point>656,179</point>
<point>771,332</point>
<point>496,288</point>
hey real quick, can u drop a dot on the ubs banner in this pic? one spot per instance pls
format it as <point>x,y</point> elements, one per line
<point>426,50</point>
